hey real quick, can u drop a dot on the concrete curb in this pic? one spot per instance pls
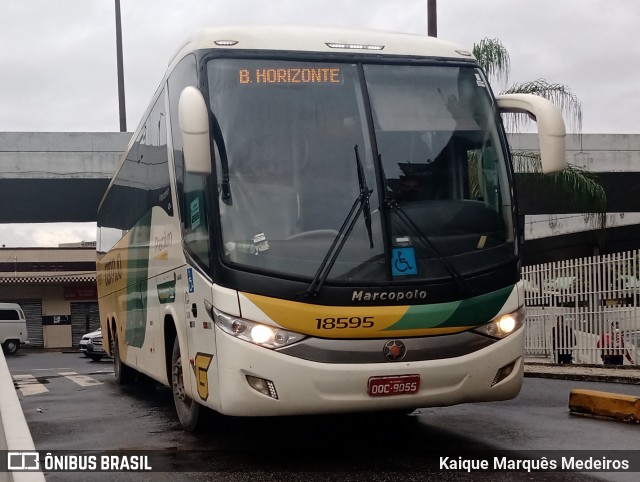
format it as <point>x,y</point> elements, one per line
<point>625,408</point>
<point>585,377</point>
<point>583,373</point>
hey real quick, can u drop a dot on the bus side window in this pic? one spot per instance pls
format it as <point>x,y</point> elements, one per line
<point>190,188</point>
<point>141,184</point>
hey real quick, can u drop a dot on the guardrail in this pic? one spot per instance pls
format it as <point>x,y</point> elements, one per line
<point>14,432</point>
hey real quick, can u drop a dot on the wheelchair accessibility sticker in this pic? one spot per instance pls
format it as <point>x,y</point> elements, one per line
<point>403,262</point>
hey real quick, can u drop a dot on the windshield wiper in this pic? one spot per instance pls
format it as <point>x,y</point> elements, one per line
<point>359,205</point>
<point>365,194</point>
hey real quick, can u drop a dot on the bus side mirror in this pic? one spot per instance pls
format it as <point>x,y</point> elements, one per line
<point>193,117</point>
<point>551,130</point>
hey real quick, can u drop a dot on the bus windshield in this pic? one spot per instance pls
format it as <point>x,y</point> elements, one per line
<point>291,136</point>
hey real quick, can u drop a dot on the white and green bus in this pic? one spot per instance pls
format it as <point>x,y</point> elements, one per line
<point>315,221</point>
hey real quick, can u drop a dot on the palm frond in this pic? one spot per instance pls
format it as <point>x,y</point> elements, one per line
<point>578,184</point>
<point>526,161</point>
<point>493,58</point>
<point>575,182</point>
<point>559,94</point>
<point>583,187</point>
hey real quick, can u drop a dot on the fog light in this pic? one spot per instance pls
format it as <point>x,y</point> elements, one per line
<point>503,373</point>
<point>266,387</point>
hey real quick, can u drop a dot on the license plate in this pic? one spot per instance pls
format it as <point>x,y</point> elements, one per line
<point>396,385</point>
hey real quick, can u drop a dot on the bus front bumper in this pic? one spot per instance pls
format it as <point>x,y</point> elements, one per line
<point>298,387</point>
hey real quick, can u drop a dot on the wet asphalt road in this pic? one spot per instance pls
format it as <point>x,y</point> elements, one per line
<point>102,416</point>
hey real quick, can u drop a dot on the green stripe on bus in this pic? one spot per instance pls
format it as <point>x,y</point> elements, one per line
<point>472,311</point>
<point>137,279</point>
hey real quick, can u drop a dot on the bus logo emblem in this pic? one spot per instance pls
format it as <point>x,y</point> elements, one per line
<point>394,350</point>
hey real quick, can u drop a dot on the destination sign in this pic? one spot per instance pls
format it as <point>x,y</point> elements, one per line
<point>291,75</point>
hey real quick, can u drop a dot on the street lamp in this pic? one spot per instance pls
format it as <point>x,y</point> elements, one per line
<point>432,18</point>
<point>123,113</point>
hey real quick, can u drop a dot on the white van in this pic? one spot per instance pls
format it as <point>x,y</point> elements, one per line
<point>13,327</point>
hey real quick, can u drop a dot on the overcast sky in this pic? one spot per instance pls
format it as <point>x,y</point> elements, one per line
<point>58,57</point>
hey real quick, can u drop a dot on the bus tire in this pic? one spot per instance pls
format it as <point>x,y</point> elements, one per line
<point>188,410</point>
<point>124,374</point>
<point>11,347</point>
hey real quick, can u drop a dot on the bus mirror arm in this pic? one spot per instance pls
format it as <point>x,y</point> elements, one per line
<point>193,117</point>
<point>551,129</point>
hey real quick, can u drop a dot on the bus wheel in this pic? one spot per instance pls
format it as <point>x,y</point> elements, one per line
<point>124,374</point>
<point>188,409</point>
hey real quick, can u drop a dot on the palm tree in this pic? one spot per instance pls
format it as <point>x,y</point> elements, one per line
<point>580,185</point>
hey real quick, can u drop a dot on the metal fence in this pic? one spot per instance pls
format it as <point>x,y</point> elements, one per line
<point>597,300</point>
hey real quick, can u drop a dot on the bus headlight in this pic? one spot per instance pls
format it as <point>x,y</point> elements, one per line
<point>257,333</point>
<point>502,326</point>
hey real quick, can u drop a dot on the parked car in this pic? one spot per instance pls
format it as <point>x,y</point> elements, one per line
<point>91,345</point>
<point>13,327</point>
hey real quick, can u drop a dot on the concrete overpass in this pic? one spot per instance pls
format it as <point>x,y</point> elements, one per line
<point>48,177</point>
<point>553,231</point>
<point>61,177</point>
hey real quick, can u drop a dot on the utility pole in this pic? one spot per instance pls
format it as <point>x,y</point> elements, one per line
<point>123,112</point>
<point>432,18</point>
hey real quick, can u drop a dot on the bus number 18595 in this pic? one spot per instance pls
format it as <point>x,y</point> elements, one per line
<point>344,322</point>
